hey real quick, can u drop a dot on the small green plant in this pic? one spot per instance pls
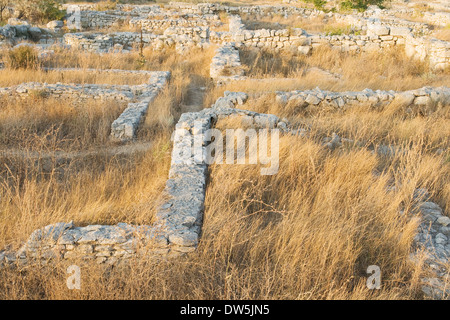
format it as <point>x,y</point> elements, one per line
<point>22,57</point>
<point>361,5</point>
<point>318,4</point>
<point>50,10</point>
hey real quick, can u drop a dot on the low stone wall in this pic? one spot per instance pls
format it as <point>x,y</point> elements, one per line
<point>432,240</point>
<point>98,42</point>
<point>199,14</point>
<point>226,64</point>
<point>133,9</point>
<point>102,19</point>
<point>193,30</point>
<point>125,127</point>
<point>178,220</point>
<point>15,33</point>
<point>205,14</point>
<point>102,243</point>
<point>120,41</point>
<point>298,39</point>
<point>361,23</point>
<point>153,25</point>
<point>235,25</point>
<point>149,23</point>
<point>379,36</point>
<point>436,52</point>
<point>150,18</point>
<point>420,97</point>
<point>139,96</point>
<point>437,18</point>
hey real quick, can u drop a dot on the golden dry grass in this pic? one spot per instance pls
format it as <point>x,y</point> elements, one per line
<point>387,70</point>
<point>277,22</point>
<point>308,232</point>
<point>9,78</point>
<point>442,34</point>
<point>67,124</point>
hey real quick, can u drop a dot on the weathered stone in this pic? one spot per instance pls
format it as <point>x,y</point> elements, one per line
<point>445,221</point>
<point>188,239</point>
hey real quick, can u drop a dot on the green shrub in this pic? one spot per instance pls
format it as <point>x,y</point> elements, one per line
<point>319,4</point>
<point>50,10</point>
<point>361,5</point>
<point>39,10</point>
<point>23,57</point>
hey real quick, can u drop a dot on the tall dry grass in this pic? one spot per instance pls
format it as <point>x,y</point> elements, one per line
<point>100,188</point>
<point>308,232</point>
<point>284,71</point>
<point>67,124</point>
<point>56,159</point>
<point>8,78</point>
<point>387,70</point>
<point>442,34</point>
<point>317,24</point>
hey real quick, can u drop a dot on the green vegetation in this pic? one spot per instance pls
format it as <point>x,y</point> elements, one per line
<point>361,5</point>
<point>317,3</point>
<point>39,10</point>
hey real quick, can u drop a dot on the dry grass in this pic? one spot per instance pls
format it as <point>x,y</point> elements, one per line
<point>422,130</point>
<point>47,174</point>
<point>442,34</point>
<point>278,22</point>
<point>389,70</point>
<point>65,124</point>
<point>8,78</point>
<point>308,232</point>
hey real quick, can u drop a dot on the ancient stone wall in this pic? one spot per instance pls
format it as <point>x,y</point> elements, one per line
<point>164,27</point>
<point>316,98</point>
<point>119,41</point>
<point>139,96</point>
<point>226,64</point>
<point>178,220</point>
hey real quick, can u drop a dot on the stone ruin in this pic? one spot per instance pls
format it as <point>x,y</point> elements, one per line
<point>178,221</point>
<point>184,26</point>
<point>177,225</point>
<point>139,96</point>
